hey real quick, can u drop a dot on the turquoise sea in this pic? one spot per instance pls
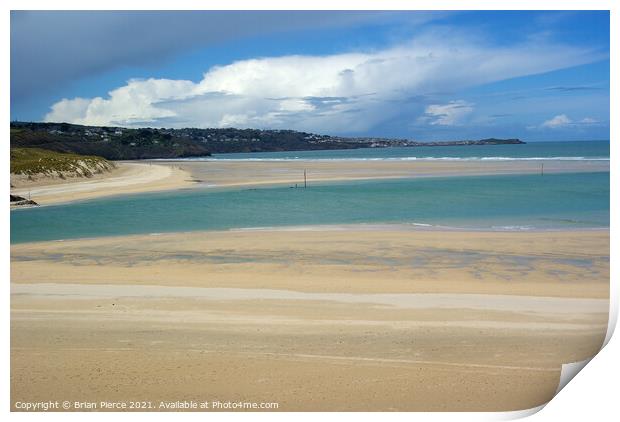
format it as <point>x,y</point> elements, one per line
<point>514,202</point>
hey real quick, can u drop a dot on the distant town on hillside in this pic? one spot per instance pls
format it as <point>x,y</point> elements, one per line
<point>117,143</point>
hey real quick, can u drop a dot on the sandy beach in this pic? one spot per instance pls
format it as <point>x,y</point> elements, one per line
<point>342,318</point>
<point>126,178</point>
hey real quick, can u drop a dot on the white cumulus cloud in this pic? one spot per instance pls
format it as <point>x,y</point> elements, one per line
<point>561,120</point>
<point>333,93</point>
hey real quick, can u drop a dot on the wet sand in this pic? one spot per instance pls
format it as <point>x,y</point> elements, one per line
<point>353,318</point>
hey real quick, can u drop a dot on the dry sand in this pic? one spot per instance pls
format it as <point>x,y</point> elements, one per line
<point>127,177</point>
<point>362,318</point>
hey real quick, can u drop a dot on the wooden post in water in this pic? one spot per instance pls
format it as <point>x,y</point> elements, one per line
<point>305,181</point>
<point>542,169</point>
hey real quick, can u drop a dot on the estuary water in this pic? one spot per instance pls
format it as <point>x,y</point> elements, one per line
<point>508,202</point>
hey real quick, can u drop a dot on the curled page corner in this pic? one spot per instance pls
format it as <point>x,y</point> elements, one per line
<point>519,414</point>
<point>569,370</point>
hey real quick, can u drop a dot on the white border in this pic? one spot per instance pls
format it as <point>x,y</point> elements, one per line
<point>590,395</point>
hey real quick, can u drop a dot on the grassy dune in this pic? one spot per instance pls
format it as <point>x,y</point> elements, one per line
<point>41,162</point>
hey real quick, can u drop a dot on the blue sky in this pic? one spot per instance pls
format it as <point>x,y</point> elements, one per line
<point>416,75</point>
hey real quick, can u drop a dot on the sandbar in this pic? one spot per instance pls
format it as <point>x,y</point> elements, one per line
<point>126,178</point>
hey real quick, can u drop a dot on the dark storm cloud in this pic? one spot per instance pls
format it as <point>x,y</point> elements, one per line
<point>51,48</point>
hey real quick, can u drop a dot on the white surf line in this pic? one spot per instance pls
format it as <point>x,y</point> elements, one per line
<point>506,303</point>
